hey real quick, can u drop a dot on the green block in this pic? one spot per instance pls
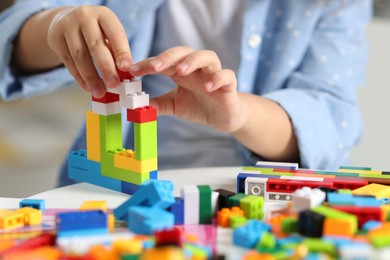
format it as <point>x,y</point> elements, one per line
<point>110,132</point>
<point>262,170</point>
<point>145,140</point>
<point>281,173</point>
<point>267,241</point>
<point>290,225</point>
<point>236,221</point>
<point>316,245</point>
<point>355,168</point>
<point>108,169</point>
<point>205,209</point>
<point>380,241</point>
<point>337,214</point>
<point>130,257</point>
<point>196,251</point>
<point>252,206</point>
<point>344,191</point>
<point>350,174</point>
<point>376,176</point>
<point>235,200</point>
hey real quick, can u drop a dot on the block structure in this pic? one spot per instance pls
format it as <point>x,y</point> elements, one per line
<point>106,162</point>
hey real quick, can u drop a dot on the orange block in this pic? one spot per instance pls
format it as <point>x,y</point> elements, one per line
<point>168,252</point>
<point>225,213</point>
<point>100,252</point>
<point>337,227</point>
<point>10,219</point>
<point>326,176</point>
<point>41,253</point>
<point>383,230</point>
<point>254,255</point>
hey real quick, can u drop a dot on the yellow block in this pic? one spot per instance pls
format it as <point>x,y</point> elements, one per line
<point>128,246</point>
<point>380,191</point>
<point>360,171</point>
<point>31,216</point>
<point>93,136</point>
<point>126,160</point>
<point>10,219</point>
<point>94,205</point>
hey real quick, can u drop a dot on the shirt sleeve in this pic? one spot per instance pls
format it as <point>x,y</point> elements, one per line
<point>14,86</point>
<point>320,96</point>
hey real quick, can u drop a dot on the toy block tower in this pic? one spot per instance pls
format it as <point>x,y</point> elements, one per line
<point>106,162</point>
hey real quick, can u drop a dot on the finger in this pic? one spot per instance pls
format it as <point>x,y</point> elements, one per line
<point>162,62</point>
<point>225,79</point>
<point>164,104</point>
<point>206,60</point>
<point>84,65</point>
<point>116,35</point>
<point>104,61</point>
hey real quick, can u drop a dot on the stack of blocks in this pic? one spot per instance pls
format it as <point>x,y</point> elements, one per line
<point>106,163</point>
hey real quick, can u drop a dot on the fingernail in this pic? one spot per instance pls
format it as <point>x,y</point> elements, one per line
<point>135,68</point>
<point>97,93</point>
<point>182,67</point>
<point>209,85</point>
<point>124,65</point>
<point>112,82</point>
<point>156,64</point>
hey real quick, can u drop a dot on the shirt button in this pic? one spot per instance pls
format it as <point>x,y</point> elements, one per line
<point>254,40</point>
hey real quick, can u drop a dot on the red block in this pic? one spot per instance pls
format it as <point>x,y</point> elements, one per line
<point>289,186</point>
<point>142,114</point>
<point>107,98</point>
<point>349,182</point>
<point>363,214</point>
<point>166,237</point>
<point>124,75</point>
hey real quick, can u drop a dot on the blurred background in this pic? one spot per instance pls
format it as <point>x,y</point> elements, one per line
<point>35,134</point>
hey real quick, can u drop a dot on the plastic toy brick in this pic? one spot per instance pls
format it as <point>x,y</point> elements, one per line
<point>315,245</point>
<point>107,98</point>
<point>337,227</point>
<point>241,179</point>
<point>152,193</point>
<point>236,221</point>
<point>168,252</point>
<point>337,214</point>
<point>31,216</point>
<point>126,160</point>
<point>256,186</point>
<point>147,220</point>
<point>130,246</point>
<point>278,196</point>
<point>289,225</point>
<point>254,169</point>
<point>79,220</point>
<point>142,114</point>
<point>166,237</point>
<point>224,215</point>
<point>248,235</point>
<point>205,210</point>
<point>235,200</point>
<point>307,198</point>
<point>289,186</point>
<point>348,183</point>
<point>223,196</point>
<point>281,165</point>
<point>380,180</point>
<point>110,133</point>
<point>93,135</point>
<point>338,174</point>
<point>177,209</point>
<point>252,206</point>
<point>267,242</point>
<point>340,199</point>
<point>145,140</point>
<point>44,239</point>
<point>10,219</point>
<point>353,168</point>
<point>135,100</point>
<point>378,190</point>
<point>310,223</point>
<point>197,251</point>
<point>33,203</point>
<point>129,188</point>
<point>94,205</point>
<point>127,87</point>
<point>363,214</point>
<point>106,109</point>
<point>190,194</point>
<point>153,175</point>
<point>124,75</point>
<point>82,232</point>
<point>371,224</point>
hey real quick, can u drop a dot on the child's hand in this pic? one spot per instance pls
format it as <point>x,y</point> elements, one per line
<point>205,93</point>
<point>88,35</point>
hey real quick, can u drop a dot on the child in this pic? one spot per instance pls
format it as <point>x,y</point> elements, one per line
<point>245,80</point>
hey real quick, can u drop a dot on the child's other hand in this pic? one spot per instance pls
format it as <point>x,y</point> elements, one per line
<point>87,35</point>
<point>205,93</point>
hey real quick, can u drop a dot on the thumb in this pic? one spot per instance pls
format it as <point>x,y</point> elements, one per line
<point>164,104</point>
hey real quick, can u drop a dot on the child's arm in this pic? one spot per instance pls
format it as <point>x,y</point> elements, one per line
<point>77,37</point>
<point>207,94</point>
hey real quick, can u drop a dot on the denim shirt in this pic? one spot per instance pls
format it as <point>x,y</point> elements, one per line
<point>308,56</point>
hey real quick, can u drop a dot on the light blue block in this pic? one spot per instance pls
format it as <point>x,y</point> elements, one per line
<point>146,220</point>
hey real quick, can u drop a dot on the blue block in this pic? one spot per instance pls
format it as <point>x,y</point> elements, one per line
<point>366,202</point>
<point>33,203</point>
<point>153,175</point>
<point>146,220</point>
<point>129,188</point>
<point>338,241</point>
<point>84,232</point>
<point>151,193</point>
<point>82,169</point>
<point>384,201</point>
<point>340,199</point>
<point>277,167</point>
<point>247,236</point>
<point>293,239</point>
<point>81,220</point>
<point>241,177</point>
<point>177,210</point>
<point>371,224</point>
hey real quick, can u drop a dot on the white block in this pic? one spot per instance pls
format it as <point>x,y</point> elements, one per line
<point>214,202</point>
<point>127,87</point>
<point>134,100</point>
<point>276,164</point>
<point>255,186</point>
<point>278,196</point>
<point>307,198</point>
<point>302,178</point>
<point>190,194</point>
<point>106,109</point>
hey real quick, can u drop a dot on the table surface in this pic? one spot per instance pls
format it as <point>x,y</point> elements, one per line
<point>72,196</point>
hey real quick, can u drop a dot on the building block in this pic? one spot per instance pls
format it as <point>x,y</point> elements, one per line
<point>10,219</point>
<point>365,201</point>
<point>289,186</point>
<point>106,109</point>
<point>167,252</point>
<point>248,235</point>
<point>94,205</point>
<point>310,223</point>
<point>252,206</point>
<point>255,186</point>
<point>31,216</point>
<point>82,220</point>
<point>289,225</point>
<point>153,175</point>
<point>348,183</point>
<point>177,209</point>
<point>145,140</point>
<point>82,232</point>
<point>337,227</point>
<point>337,214</point>
<point>92,124</point>
<point>267,242</point>
<point>340,199</point>
<point>278,196</point>
<point>224,215</point>
<point>134,100</point>
<point>280,165</point>
<point>315,245</point>
<point>235,200</point>
<point>371,224</point>
<point>236,221</point>
<point>130,246</point>
<point>126,160</point>
<point>223,196</point>
<point>142,114</point>
<point>33,203</point>
<point>147,220</point>
<point>205,209</point>
<point>110,133</point>
<point>128,187</point>
<point>107,98</point>
<point>378,190</point>
<point>190,194</point>
<point>363,214</point>
<point>307,198</point>
<point>166,237</point>
<point>152,193</point>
